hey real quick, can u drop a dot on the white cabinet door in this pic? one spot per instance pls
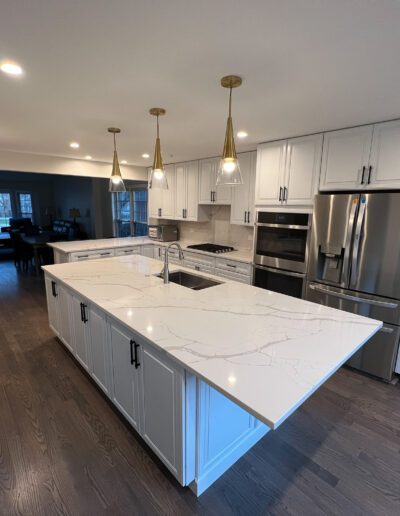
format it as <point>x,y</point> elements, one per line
<point>64,306</point>
<point>168,196</point>
<point>147,250</point>
<point>385,156</point>
<point>162,390</point>
<point>242,207</point>
<point>206,176</point>
<point>180,192</point>
<point>79,314</point>
<point>270,173</point>
<point>52,304</point>
<point>192,190</point>
<point>154,200</point>
<point>345,159</point>
<point>99,349</point>
<point>303,162</point>
<point>125,390</point>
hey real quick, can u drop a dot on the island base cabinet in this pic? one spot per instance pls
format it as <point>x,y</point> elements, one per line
<point>79,320</point>
<point>58,306</point>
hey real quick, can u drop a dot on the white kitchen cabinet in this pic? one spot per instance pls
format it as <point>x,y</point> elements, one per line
<point>58,304</point>
<point>302,167</point>
<point>345,159</point>
<point>209,193</point>
<point>288,171</point>
<point>81,256</point>
<point>187,192</point>
<point>98,348</point>
<point>161,203</point>
<point>80,329</point>
<point>162,387</point>
<point>147,250</point>
<point>52,304</point>
<point>384,163</point>
<point>242,207</point>
<point>270,173</point>
<point>125,376</point>
<point>126,251</point>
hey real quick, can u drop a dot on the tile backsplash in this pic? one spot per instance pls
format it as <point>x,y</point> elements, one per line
<point>218,229</point>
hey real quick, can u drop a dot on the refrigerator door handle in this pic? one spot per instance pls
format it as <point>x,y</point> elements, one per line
<point>357,238</point>
<point>347,297</point>
<point>346,258</point>
<point>386,329</point>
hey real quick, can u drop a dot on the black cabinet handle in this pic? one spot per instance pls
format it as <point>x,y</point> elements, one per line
<point>137,363</point>
<point>134,353</point>
<point>285,194</point>
<point>132,342</point>
<point>245,216</point>
<point>369,174</point>
<point>53,289</point>
<point>280,193</point>
<point>362,175</point>
<point>84,319</point>
<point>248,217</point>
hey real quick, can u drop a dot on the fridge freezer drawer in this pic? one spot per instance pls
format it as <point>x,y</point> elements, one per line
<point>381,308</point>
<point>378,355</point>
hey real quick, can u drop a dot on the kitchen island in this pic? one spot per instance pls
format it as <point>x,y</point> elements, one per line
<point>201,375</point>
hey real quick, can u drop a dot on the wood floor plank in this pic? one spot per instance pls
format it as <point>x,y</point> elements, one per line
<point>64,450</point>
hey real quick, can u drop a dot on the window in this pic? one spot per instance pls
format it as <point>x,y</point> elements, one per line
<point>25,205</point>
<point>130,213</point>
<point>5,209</point>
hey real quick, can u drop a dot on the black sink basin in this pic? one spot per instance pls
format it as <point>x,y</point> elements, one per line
<point>192,281</point>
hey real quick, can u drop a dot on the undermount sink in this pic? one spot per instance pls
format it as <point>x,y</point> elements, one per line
<point>192,281</point>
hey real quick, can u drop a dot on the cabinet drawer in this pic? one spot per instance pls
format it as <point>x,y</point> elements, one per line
<point>127,250</point>
<point>208,261</point>
<point>242,278</point>
<point>233,266</point>
<point>199,267</point>
<point>91,255</point>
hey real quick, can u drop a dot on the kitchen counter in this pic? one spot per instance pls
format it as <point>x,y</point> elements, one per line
<point>66,248</point>
<point>265,351</point>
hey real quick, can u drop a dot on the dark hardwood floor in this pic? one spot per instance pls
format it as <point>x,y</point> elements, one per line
<point>64,450</point>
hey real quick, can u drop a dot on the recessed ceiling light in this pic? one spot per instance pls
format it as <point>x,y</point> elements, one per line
<point>88,157</point>
<point>74,145</point>
<point>145,155</point>
<point>124,162</point>
<point>242,134</point>
<point>11,68</point>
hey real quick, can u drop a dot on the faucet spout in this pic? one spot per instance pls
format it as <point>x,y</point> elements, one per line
<point>165,271</point>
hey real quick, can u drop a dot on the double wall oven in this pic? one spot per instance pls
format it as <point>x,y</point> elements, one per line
<point>281,251</point>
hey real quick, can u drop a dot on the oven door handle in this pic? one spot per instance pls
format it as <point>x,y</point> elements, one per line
<point>281,226</point>
<point>280,271</point>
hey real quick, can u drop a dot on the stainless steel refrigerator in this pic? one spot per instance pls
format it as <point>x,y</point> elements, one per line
<point>354,266</point>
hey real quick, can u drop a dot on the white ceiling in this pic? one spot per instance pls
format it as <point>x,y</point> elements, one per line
<point>307,65</point>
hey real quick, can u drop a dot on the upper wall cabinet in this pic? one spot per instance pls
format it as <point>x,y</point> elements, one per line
<point>162,202</point>
<point>288,171</point>
<point>345,159</point>
<point>209,193</point>
<point>242,207</point>
<point>187,191</point>
<point>363,158</point>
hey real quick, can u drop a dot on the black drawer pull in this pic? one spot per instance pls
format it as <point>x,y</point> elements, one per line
<point>131,344</point>
<point>137,363</point>
<point>53,289</point>
<point>134,353</point>
<point>362,175</point>
<point>84,318</point>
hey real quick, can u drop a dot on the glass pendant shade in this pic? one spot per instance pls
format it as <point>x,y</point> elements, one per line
<point>116,182</point>
<point>158,177</point>
<point>229,168</point>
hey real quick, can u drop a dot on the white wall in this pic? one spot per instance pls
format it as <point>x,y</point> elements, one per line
<point>25,162</point>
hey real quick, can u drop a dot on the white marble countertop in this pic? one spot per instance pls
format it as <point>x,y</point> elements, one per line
<point>266,351</point>
<point>76,246</point>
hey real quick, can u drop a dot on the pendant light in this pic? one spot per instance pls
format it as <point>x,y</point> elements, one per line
<point>229,169</point>
<point>116,181</point>
<point>158,178</point>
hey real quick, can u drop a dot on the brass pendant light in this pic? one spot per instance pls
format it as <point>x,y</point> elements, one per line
<point>158,178</point>
<point>116,181</point>
<point>229,169</point>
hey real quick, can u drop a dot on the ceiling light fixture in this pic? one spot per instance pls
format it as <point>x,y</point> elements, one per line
<point>145,155</point>
<point>88,157</point>
<point>11,68</point>
<point>229,169</point>
<point>116,181</point>
<point>242,134</point>
<point>74,145</point>
<point>158,178</point>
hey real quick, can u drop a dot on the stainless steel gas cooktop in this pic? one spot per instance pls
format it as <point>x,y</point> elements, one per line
<point>211,248</point>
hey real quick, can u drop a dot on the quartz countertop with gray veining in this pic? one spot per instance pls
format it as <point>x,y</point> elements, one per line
<point>266,351</point>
